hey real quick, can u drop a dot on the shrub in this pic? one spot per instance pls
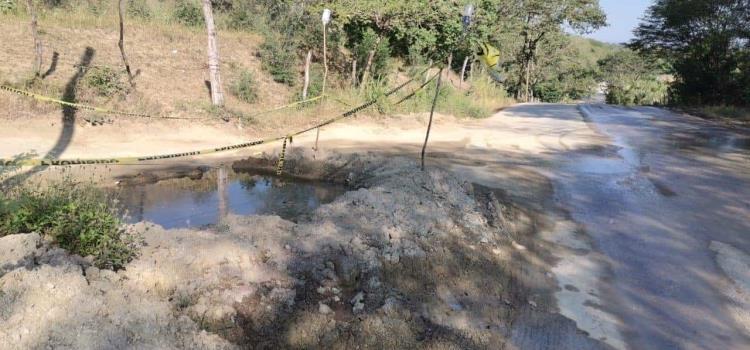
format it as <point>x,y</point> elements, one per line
<point>8,6</point>
<point>188,12</point>
<point>78,218</point>
<point>104,81</point>
<point>245,87</point>
<point>279,59</point>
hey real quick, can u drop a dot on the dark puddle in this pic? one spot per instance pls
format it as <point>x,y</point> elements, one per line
<point>190,202</point>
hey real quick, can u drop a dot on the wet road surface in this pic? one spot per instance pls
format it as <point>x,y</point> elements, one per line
<point>667,207</point>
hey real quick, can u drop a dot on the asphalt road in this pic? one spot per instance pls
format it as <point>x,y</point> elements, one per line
<point>666,207</point>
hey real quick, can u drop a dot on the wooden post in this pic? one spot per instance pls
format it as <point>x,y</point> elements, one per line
<point>217,96</point>
<point>325,59</point>
<point>432,111</point>
<point>354,72</point>
<point>325,78</point>
<point>37,40</point>
<point>463,71</point>
<point>121,43</point>
<point>307,74</point>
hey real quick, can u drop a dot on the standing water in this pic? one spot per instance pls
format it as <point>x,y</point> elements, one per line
<point>185,202</point>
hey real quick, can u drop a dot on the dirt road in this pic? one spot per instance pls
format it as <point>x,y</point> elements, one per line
<point>643,214</point>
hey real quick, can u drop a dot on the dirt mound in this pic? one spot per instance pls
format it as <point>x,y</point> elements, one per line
<point>406,259</point>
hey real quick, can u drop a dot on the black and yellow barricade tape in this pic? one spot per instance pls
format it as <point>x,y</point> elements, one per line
<point>70,104</point>
<point>146,159</point>
<point>280,165</point>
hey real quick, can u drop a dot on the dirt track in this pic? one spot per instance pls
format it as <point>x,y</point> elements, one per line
<point>533,160</point>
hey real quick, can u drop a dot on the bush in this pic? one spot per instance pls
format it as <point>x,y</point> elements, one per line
<point>188,12</point>
<point>245,88</point>
<point>8,6</point>
<point>105,81</point>
<point>77,218</point>
<point>279,59</point>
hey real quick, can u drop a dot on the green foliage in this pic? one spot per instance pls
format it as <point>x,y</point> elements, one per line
<point>279,59</point>
<point>707,43</point>
<point>244,87</point>
<point>139,9</point>
<point>188,13</point>
<point>105,81</point>
<point>77,218</point>
<point>8,6</point>
<point>368,41</point>
<point>633,80</point>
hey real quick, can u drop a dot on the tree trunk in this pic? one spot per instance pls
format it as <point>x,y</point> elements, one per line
<point>368,66</point>
<point>463,71</point>
<point>37,40</point>
<point>354,72</point>
<point>471,72</point>
<point>526,84</point>
<point>307,74</point>
<point>367,69</point>
<point>450,63</point>
<point>121,43</point>
<point>427,72</point>
<point>217,96</point>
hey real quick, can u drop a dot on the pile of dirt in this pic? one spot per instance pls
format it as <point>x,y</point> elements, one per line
<point>406,259</point>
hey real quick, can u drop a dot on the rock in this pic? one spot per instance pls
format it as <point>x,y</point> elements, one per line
<point>532,303</point>
<point>391,306</point>
<point>358,303</point>
<point>324,309</point>
<point>18,251</point>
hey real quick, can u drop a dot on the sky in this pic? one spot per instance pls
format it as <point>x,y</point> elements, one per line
<point>622,16</point>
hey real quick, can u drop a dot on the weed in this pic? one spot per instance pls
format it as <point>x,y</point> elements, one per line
<point>79,218</point>
<point>244,87</point>
<point>105,81</point>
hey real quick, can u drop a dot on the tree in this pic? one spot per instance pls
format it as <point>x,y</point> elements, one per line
<point>707,42</point>
<point>633,79</point>
<point>217,96</point>
<point>538,20</point>
<point>37,40</point>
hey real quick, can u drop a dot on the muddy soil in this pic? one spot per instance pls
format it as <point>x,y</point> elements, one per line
<point>407,259</point>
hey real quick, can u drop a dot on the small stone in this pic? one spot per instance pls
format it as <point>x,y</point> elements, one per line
<point>532,303</point>
<point>336,298</point>
<point>324,309</point>
<point>484,240</point>
<point>287,247</point>
<point>335,290</point>
<point>358,298</point>
<point>322,290</point>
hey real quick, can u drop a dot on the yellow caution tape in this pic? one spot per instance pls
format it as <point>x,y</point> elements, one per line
<point>280,165</point>
<point>141,159</point>
<point>70,104</point>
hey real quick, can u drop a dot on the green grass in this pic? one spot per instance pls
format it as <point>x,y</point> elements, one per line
<point>245,87</point>
<point>78,218</point>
